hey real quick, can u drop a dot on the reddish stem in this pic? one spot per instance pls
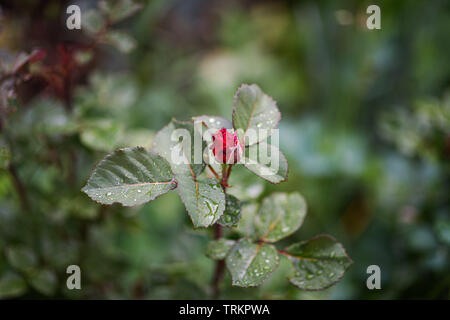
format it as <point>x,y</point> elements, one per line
<point>220,264</point>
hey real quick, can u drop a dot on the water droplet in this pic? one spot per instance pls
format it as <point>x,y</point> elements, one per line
<point>108,194</point>
<point>212,207</point>
<point>309,276</point>
<point>139,191</point>
<point>331,274</point>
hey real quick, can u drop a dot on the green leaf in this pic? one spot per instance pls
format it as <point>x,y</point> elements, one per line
<point>442,227</point>
<point>44,281</point>
<point>11,285</point>
<point>246,224</point>
<point>253,109</point>
<point>108,135</point>
<point>204,199</point>
<point>101,134</point>
<point>232,213</point>
<point>118,10</point>
<point>47,116</point>
<point>92,21</point>
<point>267,162</point>
<point>130,176</point>
<point>214,122</point>
<point>180,141</point>
<point>5,156</point>
<point>251,264</point>
<point>218,249</point>
<point>280,215</point>
<point>120,40</point>
<point>21,258</point>
<point>319,262</point>
<point>137,137</point>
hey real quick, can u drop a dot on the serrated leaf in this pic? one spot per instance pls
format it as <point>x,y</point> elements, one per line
<point>280,215</point>
<point>232,213</point>
<point>22,258</point>
<point>251,264</point>
<point>130,176</point>
<point>204,199</point>
<point>266,161</point>
<point>254,110</point>
<point>218,249</point>
<point>11,285</point>
<point>186,145</point>
<point>44,281</point>
<point>246,224</point>
<point>318,263</point>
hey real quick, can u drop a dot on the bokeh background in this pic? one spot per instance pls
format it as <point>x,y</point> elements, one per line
<point>365,128</point>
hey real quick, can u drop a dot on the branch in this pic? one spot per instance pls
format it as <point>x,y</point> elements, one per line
<point>220,264</point>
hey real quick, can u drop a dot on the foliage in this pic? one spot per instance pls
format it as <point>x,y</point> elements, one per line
<point>364,129</point>
<point>134,176</point>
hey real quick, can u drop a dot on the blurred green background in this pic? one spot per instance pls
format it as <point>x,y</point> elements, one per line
<point>365,127</point>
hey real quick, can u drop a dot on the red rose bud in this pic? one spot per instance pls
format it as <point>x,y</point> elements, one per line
<point>226,146</point>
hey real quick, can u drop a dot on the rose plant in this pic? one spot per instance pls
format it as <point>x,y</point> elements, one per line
<point>196,158</point>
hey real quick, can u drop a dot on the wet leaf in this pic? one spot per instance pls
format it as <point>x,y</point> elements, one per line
<point>180,143</point>
<point>267,162</point>
<point>204,199</point>
<point>318,263</point>
<point>232,213</point>
<point>251,264</point>
<point>246,224</point>
<point>130,176</point>
<point>280,215</point>
<point>218,249</point>
<point>214,122</point>
<point>253,109</point>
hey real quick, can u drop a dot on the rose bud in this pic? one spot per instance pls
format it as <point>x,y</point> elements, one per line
<point>226,146</point>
